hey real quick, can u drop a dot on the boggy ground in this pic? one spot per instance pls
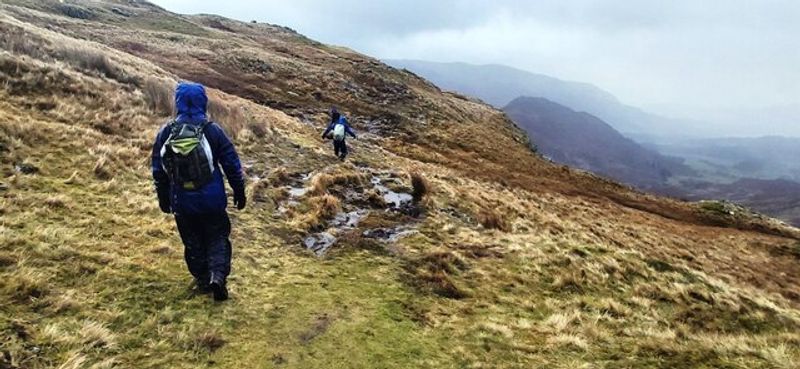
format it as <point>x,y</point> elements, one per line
<point>510,261</point>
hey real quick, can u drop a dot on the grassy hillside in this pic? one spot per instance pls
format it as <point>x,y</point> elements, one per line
<point>501,260</point>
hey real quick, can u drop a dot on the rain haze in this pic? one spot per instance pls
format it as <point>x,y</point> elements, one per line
<point>720,60</point>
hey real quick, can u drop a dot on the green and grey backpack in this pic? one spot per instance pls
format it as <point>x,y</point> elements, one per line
<point>186,156</point>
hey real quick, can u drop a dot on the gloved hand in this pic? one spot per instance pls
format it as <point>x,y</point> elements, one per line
<point>163,201</point>
<point>239,199</point>
<point>164,204</point>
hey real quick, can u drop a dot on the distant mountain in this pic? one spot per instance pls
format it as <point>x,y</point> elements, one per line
<point>582,140</point>
<point>498,85</point>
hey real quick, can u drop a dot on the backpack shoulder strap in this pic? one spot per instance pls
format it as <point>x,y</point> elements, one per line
<point>171,125</point>
<point>202,127</point>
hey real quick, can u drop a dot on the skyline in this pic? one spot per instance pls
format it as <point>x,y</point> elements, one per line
<point>706,59</point>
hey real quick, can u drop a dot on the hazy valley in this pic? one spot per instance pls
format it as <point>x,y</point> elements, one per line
<point>669,156</point>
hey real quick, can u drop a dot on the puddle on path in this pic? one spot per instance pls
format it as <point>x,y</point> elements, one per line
<point>397,199</point>
<point>348,220</point>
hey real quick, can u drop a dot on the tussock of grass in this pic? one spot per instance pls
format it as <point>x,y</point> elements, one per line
<point>101,170</point>
<point>75,361</point>
<point>319,209</point>
<point>278,176</point>
<point>208,341</point>
<point>91,60</point>
<point>259,129</point>
<point>230,116</point>
<point>259,190</point>
<point>57,202</point>
<point>322,183</point>
<point>434,272</point>
<point>569,341</point>
<point>97,335</point>
<point>319,183</point>
<point>491,219</point>
<point>375,199</point>
<point>420,185</point>
<point>159,95</point>
<point>25,286</point>
<point>16,40</point>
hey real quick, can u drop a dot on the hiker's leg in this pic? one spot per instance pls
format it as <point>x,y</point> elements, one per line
<point>341,149</point>
<point>194,251</point>
<point>336,147</point>
<point>218,231</point>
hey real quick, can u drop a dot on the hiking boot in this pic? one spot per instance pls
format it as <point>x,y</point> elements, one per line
<point>219,290</point>
<point>202,287</point>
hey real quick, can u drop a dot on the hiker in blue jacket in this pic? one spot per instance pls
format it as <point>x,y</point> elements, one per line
<point>340,127</point>
<point>186,160</point>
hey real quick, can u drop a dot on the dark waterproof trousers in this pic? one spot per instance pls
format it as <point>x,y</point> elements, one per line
<point>207,248</point>
<point>340,148</point>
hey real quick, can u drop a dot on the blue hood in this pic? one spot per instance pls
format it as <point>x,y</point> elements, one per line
<point>191,102</point>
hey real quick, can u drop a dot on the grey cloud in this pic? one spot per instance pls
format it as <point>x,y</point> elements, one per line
<point>707,53</point>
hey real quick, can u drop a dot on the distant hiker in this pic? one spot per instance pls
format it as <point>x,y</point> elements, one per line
<point>187,156</point>
<point>340,128</point>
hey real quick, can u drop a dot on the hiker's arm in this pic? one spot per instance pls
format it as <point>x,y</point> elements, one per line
<point>349,130</point>
<point>328,130</point>
<point>160,178</point>
<point>229,159</point>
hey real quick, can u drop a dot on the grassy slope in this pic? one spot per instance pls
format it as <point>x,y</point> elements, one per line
<point>93,274</point>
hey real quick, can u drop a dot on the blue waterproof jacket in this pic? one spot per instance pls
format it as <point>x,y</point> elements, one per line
<point>341,120</point>
<point>190,103</point>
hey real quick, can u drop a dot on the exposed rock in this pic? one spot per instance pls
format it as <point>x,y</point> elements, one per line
<point>73,11</point>
<point>320,242</point>
<point>121,12</point>
<point>26,168</point>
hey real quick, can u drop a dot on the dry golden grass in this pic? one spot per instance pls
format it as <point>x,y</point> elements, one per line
<point>318,210</point>
<point>491,219</point>
<point>278,176</point>
<point>258,190</point>
<point>341,176</point>
<point>259,129</point>
<point>159,95</point>
<point>434,271</point>
<point>229,116</point>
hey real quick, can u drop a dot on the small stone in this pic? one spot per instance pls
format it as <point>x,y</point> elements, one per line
<point>379,233</point>
<point>27,168</point>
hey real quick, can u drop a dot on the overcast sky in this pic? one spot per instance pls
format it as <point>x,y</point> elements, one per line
<point>700,53</point>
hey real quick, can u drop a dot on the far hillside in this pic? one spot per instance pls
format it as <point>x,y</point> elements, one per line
<point>581,125</point>
<point>498,85</point>
<point>777,197</point>
<point>584,141</point>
